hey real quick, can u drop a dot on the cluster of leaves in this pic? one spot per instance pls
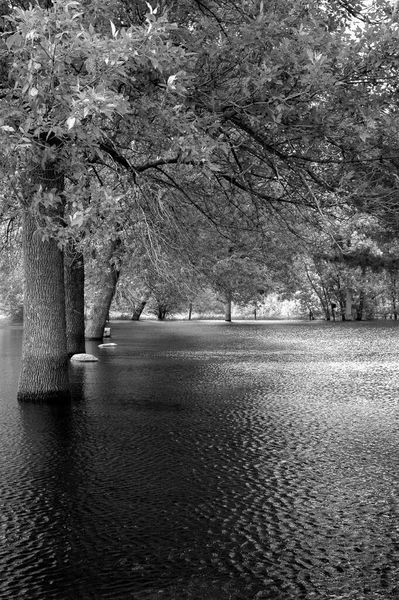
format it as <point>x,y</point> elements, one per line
<point>212,135</point>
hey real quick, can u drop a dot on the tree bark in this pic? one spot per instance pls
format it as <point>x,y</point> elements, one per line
<point>74,300</point>
<point>44,368</point>
<point>162,311</point>
<point>99,310</point>
<point>227,308</point>
<point>138,309</point>
<point>361,307</point>
<point>190,310</point>
<point>348,305</point>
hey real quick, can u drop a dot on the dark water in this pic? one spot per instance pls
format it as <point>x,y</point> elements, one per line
<point>207,461</point>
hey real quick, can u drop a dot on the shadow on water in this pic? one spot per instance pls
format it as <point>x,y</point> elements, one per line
<point>207,461</point>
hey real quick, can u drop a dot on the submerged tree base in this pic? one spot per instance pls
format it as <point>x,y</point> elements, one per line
<point>44,364</point>
<point>44,379</point>
<point>50,397</point>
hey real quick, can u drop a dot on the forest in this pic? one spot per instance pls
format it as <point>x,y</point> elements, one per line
<point>193,151</point>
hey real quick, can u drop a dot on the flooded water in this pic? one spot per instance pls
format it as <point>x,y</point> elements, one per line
<point>206,460</point>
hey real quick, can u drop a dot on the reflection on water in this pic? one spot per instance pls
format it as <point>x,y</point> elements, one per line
<point>207,461</point>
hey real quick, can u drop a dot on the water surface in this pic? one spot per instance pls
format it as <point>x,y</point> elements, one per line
<point>206,460</point>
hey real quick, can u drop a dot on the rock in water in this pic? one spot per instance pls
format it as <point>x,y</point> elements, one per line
<point>84,358</point>
<point>107,345</point>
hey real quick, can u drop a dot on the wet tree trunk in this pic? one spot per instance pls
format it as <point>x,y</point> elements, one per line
<point>44,368</point>
<point>99,310</point>
<point>74,300</point>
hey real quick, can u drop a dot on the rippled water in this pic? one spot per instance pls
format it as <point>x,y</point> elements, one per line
<point>204,460</point>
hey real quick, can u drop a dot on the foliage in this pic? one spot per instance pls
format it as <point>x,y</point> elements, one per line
<point>247,146</point>
<point>11,286</point>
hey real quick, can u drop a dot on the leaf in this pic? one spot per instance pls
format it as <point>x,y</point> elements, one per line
<point>14,40</point>
<point>113,29</point>
<point>152,11</point>
<point>33,92</point>
<point>171,82</point>
<point>77,219</point>
<point>71,122</point>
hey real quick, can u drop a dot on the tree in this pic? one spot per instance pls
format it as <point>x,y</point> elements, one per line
<point>277,103</point>
<point>66,84</point>
<point>105,270</point>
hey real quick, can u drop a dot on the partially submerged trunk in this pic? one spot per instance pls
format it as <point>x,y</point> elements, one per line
<point>138,310</point>
<point>99,310</point>
<point>140,306</point>
<point>44,367</point>
<point>74,301</point>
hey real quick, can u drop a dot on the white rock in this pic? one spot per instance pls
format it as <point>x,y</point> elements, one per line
<point>84,358</point>
<point>107,345</point>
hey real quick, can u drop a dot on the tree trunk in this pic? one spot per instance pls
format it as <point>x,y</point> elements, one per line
<point>74,300</point>
<point>348,306</point>
<point>227,308</point>
<point>162,311</point>
<point>326,303</point>
<point>138,309</point>
<point>394,306</point>
<point>99,310</point>
<point>190,310</point>
<point>342,309</point>
<point>361,307</point>
<point>44,368</point>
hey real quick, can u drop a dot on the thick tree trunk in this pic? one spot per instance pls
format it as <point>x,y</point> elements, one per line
<point>99,310</point>
<point>74,300</point>
<point>44,368</point>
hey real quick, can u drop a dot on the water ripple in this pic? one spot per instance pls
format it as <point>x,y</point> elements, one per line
<point>201,461</point>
